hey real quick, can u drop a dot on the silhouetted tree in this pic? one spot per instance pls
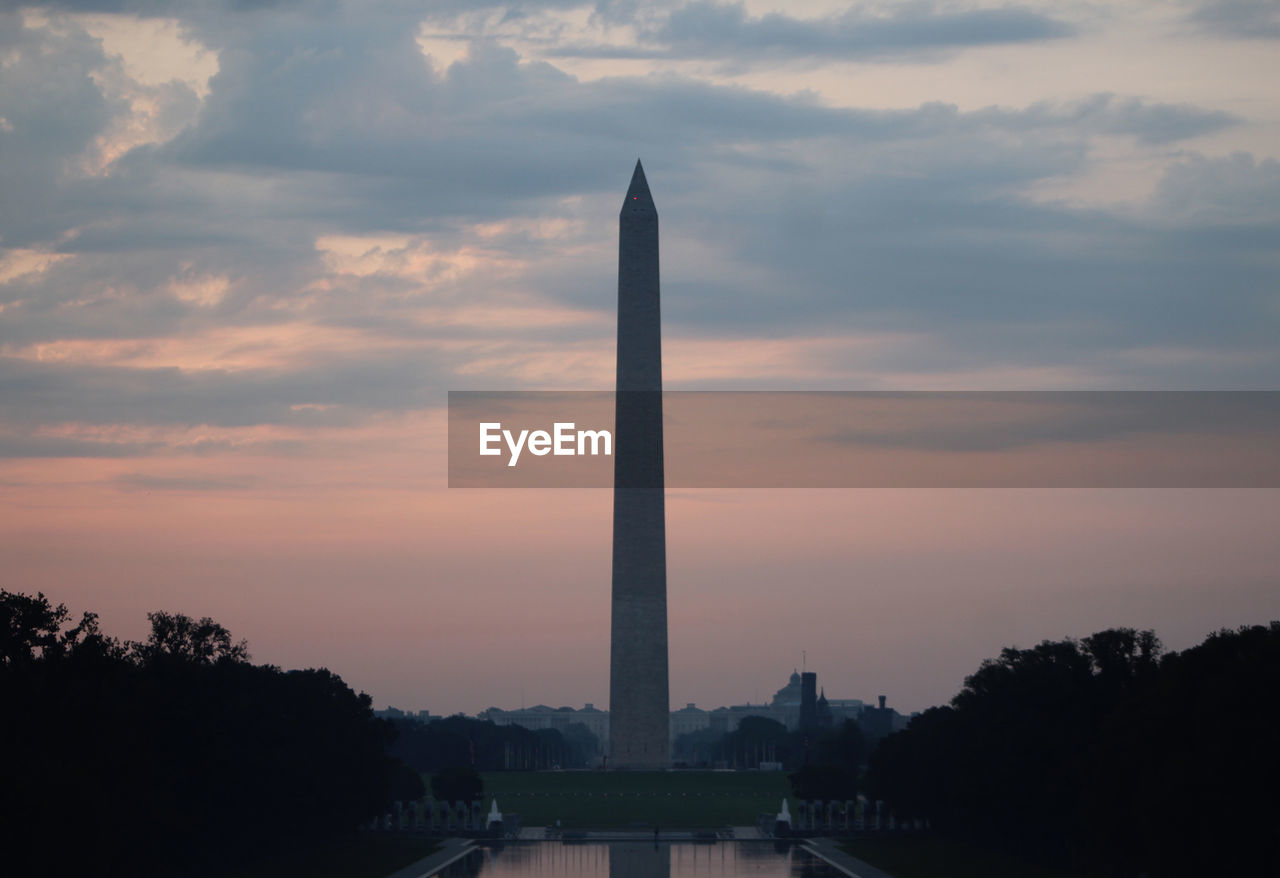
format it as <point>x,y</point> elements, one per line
<point>922,771</point>
<point>581,745</point>
<point>758,739</point>
<point>460,740</point>
<point>176,755</point>
<point>1103,752</point>
<point>699,747</point>
<point>31,629</point>
<point>843,746</point>
<point>1181,779</point>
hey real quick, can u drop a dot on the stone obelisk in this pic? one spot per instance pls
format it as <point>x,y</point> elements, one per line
<point>639,705</point>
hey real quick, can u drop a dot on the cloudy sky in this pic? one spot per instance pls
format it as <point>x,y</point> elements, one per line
<point>246,248</point>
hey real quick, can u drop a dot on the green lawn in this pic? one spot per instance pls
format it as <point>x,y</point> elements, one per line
<point>363,857</point>
<point>934,857</point>
<point>616,799</point>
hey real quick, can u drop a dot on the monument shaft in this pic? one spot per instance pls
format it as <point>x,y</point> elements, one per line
<point>639,705</point>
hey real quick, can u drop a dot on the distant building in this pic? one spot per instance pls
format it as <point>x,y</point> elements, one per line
<point>424,716</point>
<point>689,718</point>
<point>785,705</point>
<point>795,706</point>
<point>726,719</point>
<point>844,708</point>
<point>808,700</point>
<point>798,704</point>
<point>822,712</point>
<point>597,721</point>
<point>881,721</point>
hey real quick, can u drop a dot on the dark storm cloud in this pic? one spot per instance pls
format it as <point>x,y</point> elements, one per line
<point>726,31</point>
<point>1244,19</point>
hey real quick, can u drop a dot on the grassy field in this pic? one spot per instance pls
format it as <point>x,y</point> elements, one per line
<point>366,857</point>
<point>930,857</point>
<point>610,800</point>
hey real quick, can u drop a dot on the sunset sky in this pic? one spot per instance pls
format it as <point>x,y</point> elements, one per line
<point>246,248</point>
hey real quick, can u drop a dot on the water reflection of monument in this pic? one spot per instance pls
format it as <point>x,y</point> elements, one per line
<point>542,860</point>
<point>639,859</point>
<point>633,859</point>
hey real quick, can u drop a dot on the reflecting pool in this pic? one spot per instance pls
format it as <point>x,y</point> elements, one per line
<point>636,859</point>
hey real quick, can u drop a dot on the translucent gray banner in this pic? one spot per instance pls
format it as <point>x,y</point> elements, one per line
<point>804,439</point>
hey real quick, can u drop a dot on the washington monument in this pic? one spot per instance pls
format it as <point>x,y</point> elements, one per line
<point>639,736</point>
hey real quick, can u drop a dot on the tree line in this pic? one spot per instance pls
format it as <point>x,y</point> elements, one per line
<point>759,739</point>
<point>1105,753</point>
<point>175,755</point>
<point>178,755</point>
<point>485,746</point>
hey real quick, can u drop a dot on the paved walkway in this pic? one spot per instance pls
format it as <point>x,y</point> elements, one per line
<point>451,849</point>
<point>827,849</point>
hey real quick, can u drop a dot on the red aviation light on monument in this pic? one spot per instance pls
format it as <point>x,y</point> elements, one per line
<point>637,204</point>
